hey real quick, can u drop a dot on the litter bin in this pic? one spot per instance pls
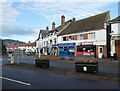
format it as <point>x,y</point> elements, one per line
<point>115,56</point>
<point>90,67</point>
<point>42,63</point>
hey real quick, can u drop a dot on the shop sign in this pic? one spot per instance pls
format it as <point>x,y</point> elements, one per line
<point>85,43</point>
<point>66,44</point>
<point>54,46</point>
<point>86,53</point>
<point>116,38</point>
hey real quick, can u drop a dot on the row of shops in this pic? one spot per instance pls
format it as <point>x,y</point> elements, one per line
<point>74,50</point>
<point>89,37</point>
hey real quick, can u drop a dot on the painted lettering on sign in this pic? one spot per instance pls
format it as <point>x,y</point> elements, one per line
<point>66,44</point>
<point>85,43</point>
<point>86,53</point>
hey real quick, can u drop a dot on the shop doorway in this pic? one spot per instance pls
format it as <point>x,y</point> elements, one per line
<point>100,52</point>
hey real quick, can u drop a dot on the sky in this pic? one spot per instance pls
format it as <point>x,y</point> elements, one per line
<point>22,20</point>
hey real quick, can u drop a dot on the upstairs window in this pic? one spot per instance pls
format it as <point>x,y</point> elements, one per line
<point>71,37</point>
<point>81,36</point>
<point>64,38</point>
<point>91,35</point>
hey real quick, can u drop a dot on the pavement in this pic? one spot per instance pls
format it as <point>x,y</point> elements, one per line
<point>108,70</point>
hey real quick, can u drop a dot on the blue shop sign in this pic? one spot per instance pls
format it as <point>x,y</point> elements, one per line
<point>66,44</point>
<point>54,46</point>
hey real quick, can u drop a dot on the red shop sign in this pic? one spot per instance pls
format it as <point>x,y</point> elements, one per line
<point>86,53</point>
<point>85,43</point>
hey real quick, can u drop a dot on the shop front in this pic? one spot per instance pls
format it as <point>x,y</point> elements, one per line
<point>54,50</point>
<point>86,49</point>
<point>66,49</point>
<point>45,50</point>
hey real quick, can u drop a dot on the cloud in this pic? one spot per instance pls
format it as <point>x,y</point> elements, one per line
<point>19,33</point>
<point>8,14</point>
<point>53,10</point>
<point>59,1</point>
<point>10,30</point>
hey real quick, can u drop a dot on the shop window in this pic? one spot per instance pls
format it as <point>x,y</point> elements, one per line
<point>71,50</point>
<point>64,39</point>
<point>81,36</point>
<point>63,50</point>
<point>86,49</point>
<point>79,49</point>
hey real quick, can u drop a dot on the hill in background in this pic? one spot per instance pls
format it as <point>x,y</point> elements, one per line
<point>11,41</point>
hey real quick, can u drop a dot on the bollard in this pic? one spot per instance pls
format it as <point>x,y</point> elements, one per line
<point>11,59</point>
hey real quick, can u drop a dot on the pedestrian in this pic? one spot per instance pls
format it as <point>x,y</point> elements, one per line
<point>11,60</point>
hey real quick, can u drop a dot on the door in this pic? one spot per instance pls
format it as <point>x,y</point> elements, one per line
<point>100,52</point>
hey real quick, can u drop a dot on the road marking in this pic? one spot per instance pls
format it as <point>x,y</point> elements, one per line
<point>24,83</point>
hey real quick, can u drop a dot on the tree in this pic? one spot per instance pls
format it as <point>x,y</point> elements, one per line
<point>2,47</point>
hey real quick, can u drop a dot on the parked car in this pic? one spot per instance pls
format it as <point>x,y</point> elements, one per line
<point>28,52</point>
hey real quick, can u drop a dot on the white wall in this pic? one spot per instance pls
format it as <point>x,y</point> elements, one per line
<point>100,38</point>
<point>115,28</point>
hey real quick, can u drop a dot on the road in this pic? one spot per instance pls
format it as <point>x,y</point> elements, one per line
<point>23,79</point>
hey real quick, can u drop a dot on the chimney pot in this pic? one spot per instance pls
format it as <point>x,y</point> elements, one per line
<point>53,26</point>
<point>62,20</point>
<point>47,28</point>
<point>74,19</point>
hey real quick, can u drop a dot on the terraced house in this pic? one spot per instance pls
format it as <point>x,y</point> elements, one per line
<point>89,37</point>
<point>47,39</point>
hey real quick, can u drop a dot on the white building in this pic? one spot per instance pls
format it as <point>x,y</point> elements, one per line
<point>24,47</point>
<point>47,39</point>
<point>88,37</point>
<point>115,36</point>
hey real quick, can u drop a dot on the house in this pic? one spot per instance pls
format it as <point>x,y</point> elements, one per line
<point>115,36</point>
<point>47,39</point>
<point>89,37</point>
<point>24,47</point>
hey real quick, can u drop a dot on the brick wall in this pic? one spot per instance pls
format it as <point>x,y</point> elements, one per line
<point>117,48</point>
<point>96,51</point>
<point>75,51</point>
<point>105,51</point>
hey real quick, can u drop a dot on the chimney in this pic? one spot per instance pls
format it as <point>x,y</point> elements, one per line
<point>74,19</point>
<point>53,26</point>
<point>47,28</point>
<point>62,20</point>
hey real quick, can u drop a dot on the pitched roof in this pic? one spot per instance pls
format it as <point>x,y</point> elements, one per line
<point>116,20</point>
<point>21,45</point>
<point>43,33</point>
<point>61,26</point>
<point>87,24</point>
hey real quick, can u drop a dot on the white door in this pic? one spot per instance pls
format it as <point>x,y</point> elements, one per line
<point>100,52</point>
